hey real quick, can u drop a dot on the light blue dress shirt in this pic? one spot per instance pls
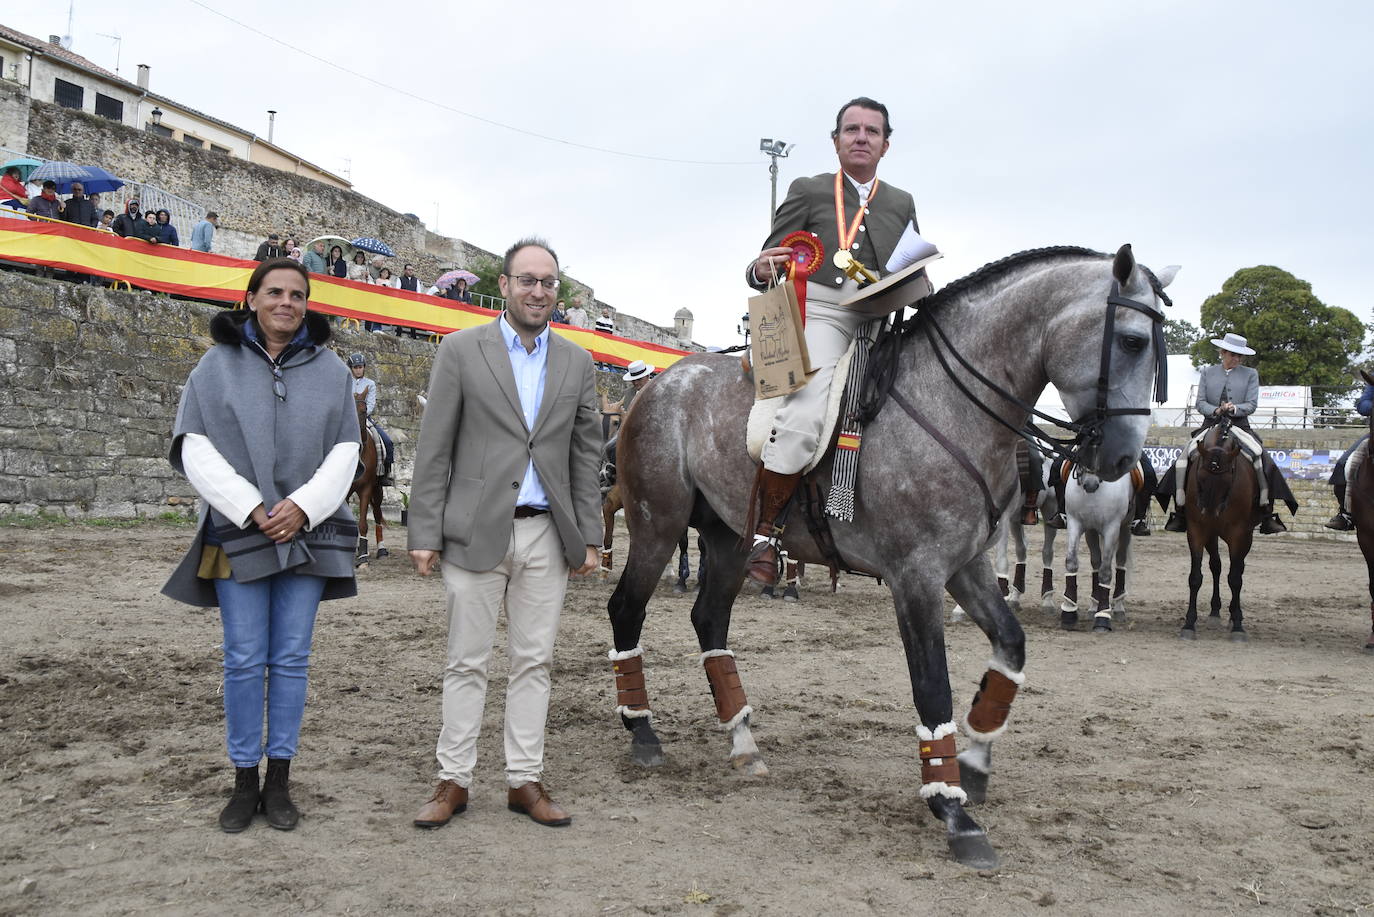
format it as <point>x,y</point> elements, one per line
<point>531,371</point>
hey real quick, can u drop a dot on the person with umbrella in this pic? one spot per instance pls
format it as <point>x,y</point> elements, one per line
<point>314,260</point>
<point>12,186</point>
<point>47,203</point>
<point>338,267</point>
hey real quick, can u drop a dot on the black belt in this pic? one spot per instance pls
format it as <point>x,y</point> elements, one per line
<point>525,512</point>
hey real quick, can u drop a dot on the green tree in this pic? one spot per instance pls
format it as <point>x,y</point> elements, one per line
<point>1180,336</point>
<point>1298,339</point>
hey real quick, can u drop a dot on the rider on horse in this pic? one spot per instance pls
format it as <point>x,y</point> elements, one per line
<point>853,213</point>
<point>1342,522</point>
<point>357,363</point>
<point>1230,390</point>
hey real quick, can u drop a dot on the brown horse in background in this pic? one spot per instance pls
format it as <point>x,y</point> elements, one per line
<point>1361,496</point>
<point>1220,494</point>
<point>366,487</point>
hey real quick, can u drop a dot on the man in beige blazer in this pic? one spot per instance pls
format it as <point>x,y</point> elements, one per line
<point>504,501</point>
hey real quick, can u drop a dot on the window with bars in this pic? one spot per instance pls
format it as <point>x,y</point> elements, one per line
<point>161,130</point>
<point>193,141</point>
<point>107,107</point>
<point>216,148</point>
<point>68,95</point>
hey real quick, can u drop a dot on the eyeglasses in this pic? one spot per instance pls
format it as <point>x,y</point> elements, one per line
<point>526,282</point>
<point>278,384</point>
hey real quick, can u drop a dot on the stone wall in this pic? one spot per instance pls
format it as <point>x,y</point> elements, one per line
<point>93,378</point>
<point>14,119</point>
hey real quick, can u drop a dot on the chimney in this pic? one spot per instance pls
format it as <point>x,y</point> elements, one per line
<point>143,76</point>
<point>55,40</point>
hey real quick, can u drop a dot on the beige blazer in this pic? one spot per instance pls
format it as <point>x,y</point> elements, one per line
<point>474,447</point>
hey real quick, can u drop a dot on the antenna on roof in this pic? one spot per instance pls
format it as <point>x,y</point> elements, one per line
<point>67,38</point>
<point>119,44</point>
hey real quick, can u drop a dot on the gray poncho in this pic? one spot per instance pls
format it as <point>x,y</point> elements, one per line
<point>277,445</point>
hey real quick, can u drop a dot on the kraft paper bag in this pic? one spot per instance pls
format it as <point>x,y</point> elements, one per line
<point>778,347</point>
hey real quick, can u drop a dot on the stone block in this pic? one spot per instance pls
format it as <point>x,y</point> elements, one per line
<point>58,489</point>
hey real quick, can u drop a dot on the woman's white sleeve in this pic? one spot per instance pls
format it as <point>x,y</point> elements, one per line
<point>216,480</point>
<point>327,488</point>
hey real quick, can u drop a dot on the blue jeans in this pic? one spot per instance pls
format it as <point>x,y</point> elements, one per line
<point>268,624</point>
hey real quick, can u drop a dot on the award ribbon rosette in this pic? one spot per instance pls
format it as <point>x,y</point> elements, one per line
<point>807,254</point>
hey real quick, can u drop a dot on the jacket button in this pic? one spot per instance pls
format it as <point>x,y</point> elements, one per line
<point>531,444</point>
<point>515,485</point>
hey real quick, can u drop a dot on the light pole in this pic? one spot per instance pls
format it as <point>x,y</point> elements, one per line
<point>271,123</point>
<point>776,149</point>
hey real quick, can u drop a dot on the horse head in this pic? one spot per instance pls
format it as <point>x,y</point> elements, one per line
<point>1217,455</point>
<point>1102,350</point>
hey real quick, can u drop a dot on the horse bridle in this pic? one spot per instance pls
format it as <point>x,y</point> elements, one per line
<point>1087,430</point>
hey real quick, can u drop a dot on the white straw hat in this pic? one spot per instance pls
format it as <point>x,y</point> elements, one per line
<point>1234,343</point>
<point>637,370</point>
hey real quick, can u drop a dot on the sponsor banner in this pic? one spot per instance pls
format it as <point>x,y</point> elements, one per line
<point>1283,396</point>
<point>218,278</point>
<point>1299,464</point>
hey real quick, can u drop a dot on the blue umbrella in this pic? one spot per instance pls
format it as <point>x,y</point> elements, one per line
<point>374,246</point>
<point>95,179</point>
<point>24,164</point>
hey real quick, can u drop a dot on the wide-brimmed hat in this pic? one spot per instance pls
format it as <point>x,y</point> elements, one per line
<point>638,370</point>
<point>1234,343</point>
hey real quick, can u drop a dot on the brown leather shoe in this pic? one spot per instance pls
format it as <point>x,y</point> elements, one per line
<point>448,800</point>
<point>533,800</point>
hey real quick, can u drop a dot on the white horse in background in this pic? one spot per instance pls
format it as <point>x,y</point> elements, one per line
<point>1101,510</point>
<point>1011,531</point>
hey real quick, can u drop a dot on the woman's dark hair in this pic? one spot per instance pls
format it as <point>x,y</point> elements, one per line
<point>334,249</point>
<point>278,264</point>
<point>359,258</point>
<point>386,271</point>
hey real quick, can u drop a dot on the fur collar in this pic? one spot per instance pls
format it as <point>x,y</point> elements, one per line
<point>227,326</point>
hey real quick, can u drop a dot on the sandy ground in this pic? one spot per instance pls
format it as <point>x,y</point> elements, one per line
<point>1142,775</point>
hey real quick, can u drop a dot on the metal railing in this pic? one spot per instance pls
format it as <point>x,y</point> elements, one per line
<point>1330,407</point>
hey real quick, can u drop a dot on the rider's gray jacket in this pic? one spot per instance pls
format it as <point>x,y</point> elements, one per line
<point>1240,387</point>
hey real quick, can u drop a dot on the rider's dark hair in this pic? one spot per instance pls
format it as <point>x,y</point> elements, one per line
<point>277,264</point>
<point>862,102</point>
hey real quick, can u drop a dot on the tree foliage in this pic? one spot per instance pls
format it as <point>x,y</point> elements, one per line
<point>1298,339</point>
<point>1179,336</point>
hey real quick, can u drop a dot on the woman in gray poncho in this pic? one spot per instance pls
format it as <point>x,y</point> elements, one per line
<point>267,433</point>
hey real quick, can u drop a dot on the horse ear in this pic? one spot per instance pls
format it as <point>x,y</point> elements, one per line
<point>1166,276</point>
<point>1123,265</point>
<point>1364,374</point>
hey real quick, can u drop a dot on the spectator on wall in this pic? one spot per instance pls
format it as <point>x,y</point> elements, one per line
<point>384,279</point>
<point>314,260</point>
<point>106,223</point>
<point>78,208</point>
<point>560,313</point>
<point>166,232</point>
<point>203,233</point>
<point>577,316</point>
<point>270,249</point>
<point>408,280</point>
<point>337,265</point>
<point>459,292</point>
<point>146,228</point>
<point>125,224</point>
<point>13,193</point>
<point>46,203</point>
<point>358,269</point>
<point>605,323</point>
<point>374,267</point>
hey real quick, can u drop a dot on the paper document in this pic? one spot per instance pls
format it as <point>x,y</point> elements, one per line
<point>910,249</point>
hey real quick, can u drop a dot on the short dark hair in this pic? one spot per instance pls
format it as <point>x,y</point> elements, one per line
<point>108,213</point>
<point>273,235</point>
<point>862,102</point>
<point>49,185</point>
<point>408,267</point>
<point>527,242</point>
<point>212,215</point>
<point>276,264</point>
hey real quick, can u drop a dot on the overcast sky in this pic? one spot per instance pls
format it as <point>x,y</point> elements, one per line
<point>1215,135</point>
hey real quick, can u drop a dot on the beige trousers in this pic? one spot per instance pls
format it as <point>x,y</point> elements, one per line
<point>829,331</point>
<point>530,581</point>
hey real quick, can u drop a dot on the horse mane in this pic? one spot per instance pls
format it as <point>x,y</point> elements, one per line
<point>1003,266</point>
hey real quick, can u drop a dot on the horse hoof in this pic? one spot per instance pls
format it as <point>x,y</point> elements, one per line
<point>1047,602</point>
<point>749,765</point>
<point>679,588</point>
<point>1102,626</point>
<point>974,783</point>
<point>973,851</point>
<point>957,616</point>
<point>359,563</point>
<point>767,593</point>
<point>1239,636</point>
<point>1068,620</point>
<point>1187,634</point>
<point>790,594</point>
<point>382,552</point>
<point>646,755</point>
<point>1013,604</point>
<point>1369,649</point>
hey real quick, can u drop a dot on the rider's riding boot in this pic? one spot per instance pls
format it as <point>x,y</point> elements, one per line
<point>1140,527</point>
<point>775,490</point>
<point>385,479</point>
<point>1176,523</point>
<point>1341,522</point>
<point>1272,524</point>
<point>1029,516</point>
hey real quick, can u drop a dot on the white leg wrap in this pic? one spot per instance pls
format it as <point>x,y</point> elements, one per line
<point>944,729</point>
<point>709,653</point>
<point>939,788</point>
<point>1018,677</point>
<point>615,656</point>
<point>737,718</point>
<point>943,789</point>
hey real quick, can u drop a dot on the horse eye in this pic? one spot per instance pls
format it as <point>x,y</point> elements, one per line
<point>1134,343</point>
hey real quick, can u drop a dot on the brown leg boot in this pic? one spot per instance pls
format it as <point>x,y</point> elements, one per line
<point>775,490</point>
<point>1028,515</point>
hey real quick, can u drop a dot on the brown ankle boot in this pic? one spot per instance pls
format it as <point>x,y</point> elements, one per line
<point>775,490</point>
<point>1028,514</point>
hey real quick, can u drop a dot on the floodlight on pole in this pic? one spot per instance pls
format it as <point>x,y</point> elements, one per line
<point>776,149</point>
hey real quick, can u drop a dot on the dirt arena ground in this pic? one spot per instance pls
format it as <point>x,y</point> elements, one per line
<point>1141,775</point>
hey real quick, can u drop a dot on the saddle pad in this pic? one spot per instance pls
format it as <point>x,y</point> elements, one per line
<point>762,413</point>
<point>1249,443</point>
<point>1137,476</point>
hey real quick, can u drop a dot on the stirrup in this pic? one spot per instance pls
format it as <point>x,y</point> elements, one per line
<point>1057,521</point>
<point>1140,528</point>
<point>1176,523</point>
<point>759,567</point>
<point>1272,525</point>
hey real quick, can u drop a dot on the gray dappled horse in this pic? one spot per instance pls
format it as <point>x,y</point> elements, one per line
<point>1025,321</point>
<point>1099,511</point>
